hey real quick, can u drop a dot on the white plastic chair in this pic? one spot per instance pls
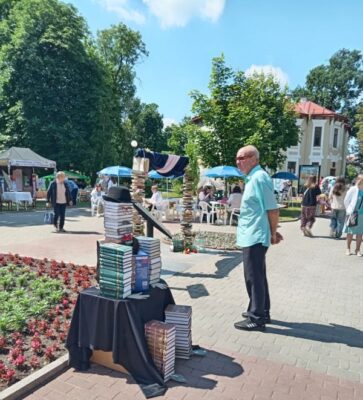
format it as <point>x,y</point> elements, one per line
<point>235,212</point>
<point>96,205</point>
<point>161,210</point>
<point>205,209</point>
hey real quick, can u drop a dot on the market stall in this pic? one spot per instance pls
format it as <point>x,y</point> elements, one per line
<point>18,168</point>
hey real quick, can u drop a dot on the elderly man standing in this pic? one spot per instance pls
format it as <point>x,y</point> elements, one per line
<point>59,196</point>
<point>257,229</point>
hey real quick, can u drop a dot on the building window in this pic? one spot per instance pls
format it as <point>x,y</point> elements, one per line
<point>315,164</point>
<point>332,171</point>
<point>291,166</point>
<point>335,138</point>
<point>317,136</point>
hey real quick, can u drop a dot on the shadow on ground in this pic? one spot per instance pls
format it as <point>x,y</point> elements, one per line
<point>223,267</point>
<point>195,371</point>
<point>332,333</point>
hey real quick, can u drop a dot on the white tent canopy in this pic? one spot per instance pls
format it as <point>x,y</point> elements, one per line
<point>24,157</point>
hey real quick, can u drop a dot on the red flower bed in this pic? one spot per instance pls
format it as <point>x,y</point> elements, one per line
<point>43,339</point>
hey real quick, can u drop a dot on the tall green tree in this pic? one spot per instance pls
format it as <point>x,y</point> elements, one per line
<point>337,85</point>
<point>52,86</point>
<point>147,125</point>
<point>182,141</point>
<point>240,111</point>
<point>121,49</point>
<point>359,128</point>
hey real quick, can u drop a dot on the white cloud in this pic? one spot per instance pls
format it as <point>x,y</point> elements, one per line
<point>169,121</point>
<point>123,10</point>
<point>180,12</point>
<point>280,76</point>
<point>169,12</point>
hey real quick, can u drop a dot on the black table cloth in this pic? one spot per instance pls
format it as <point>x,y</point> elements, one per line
<point>118,326</point>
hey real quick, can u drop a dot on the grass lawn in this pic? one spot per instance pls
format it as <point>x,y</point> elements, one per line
<point>289,214</point>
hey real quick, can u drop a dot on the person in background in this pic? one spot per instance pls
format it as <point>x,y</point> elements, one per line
<point>336,197</point>
<point>111,182</point>
<point>257,230</point>
<point>207,194</point>
<point>354,202</point>
<point>59,196</point>
<point>96,198</point>
<point>155,199</point>
<point>103,181</point>
<point>308,205</point>
<point>73,187</point>
<point>235,198</point>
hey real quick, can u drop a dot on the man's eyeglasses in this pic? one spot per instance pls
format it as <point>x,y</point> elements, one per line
<point>243,158</point>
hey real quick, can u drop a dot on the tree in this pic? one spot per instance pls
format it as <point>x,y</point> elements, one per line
<point>241,111</point>
<point>53,86</point>
<point>337,85</point>
<point>182,141</point>
<point>121,48</point>
<point>359,128</point>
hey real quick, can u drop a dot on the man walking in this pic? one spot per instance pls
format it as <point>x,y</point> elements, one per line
<point>59,196</point>
<point>257,229</point>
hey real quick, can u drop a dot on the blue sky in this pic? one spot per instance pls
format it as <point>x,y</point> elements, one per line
<point>285,37</point>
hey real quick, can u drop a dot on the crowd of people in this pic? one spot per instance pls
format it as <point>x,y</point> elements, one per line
<point>346,204</point>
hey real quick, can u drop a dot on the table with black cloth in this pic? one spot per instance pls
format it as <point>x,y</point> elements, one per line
<point>105,324</point>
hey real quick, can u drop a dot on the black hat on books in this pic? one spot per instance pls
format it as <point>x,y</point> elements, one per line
<point>118,194</point>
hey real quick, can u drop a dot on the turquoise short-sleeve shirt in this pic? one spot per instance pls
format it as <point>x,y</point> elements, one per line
<point>258,198</point>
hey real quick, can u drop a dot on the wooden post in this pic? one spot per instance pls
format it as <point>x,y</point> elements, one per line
<point>187,217</point>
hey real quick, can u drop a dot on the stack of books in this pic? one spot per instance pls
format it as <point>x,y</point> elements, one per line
<point>118,220</point>
<point>160,338</point>
<point>115,270</point>
<point>151,247</point>
<point>181,318</point>
<point>140,273</point>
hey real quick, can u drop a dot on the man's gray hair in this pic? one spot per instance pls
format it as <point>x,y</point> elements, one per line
<point>252,150</point>
<point>256,152</point>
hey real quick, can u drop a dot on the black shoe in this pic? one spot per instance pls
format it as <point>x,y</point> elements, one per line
<point>249,325</point>
<point>266,321</point>
<point>62,230</point>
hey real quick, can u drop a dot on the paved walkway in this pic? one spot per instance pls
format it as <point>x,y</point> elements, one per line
<point>313,349</point>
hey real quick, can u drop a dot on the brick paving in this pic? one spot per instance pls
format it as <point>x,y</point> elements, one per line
<point>313,349</point>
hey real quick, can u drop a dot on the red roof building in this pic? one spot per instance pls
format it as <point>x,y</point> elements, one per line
<point>310,109</point>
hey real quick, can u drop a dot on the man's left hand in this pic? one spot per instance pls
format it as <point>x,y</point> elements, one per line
<point>276,238</point>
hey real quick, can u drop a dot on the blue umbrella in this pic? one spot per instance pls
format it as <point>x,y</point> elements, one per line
<point>155,175</point>
<point>285,175</point>
<point>116,171</point>
<point>223,172</point>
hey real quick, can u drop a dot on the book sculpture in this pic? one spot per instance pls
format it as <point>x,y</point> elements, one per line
<point>160,338</point>
<point>115,270</point>
<point>117,221</point>
<point>181,318</point>
<point>151,247</point>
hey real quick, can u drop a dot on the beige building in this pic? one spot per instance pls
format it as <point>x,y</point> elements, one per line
<point>323,142</point>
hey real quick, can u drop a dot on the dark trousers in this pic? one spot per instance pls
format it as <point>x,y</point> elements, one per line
<point>59,214</point>
<point>74,194</point>
<point>254,263</point>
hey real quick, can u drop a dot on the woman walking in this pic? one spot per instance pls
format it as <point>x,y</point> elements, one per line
<point>308,205</point>
<point>354,207</point>
<point>336,197</point>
